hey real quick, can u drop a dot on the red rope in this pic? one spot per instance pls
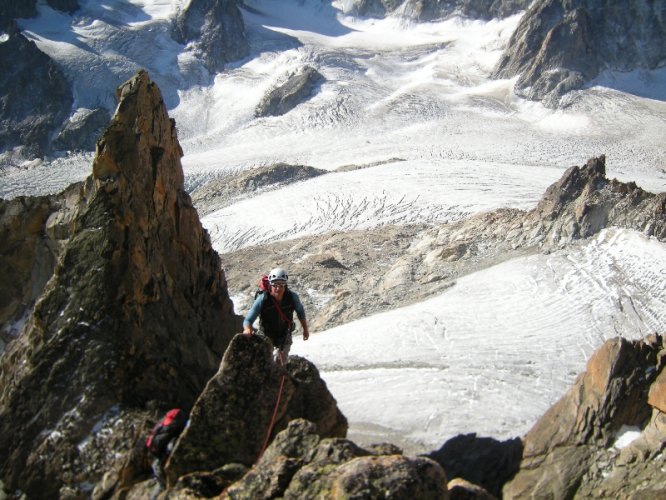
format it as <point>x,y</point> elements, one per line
<point>275,410</point>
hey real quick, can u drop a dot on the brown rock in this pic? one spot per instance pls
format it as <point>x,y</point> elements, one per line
<point>563,445</point>
<point>231,421</point>
<point>459,489</point>
<point>657,395</point>
<point>137,309</point>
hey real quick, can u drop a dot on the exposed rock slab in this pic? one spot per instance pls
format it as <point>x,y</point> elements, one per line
<point>301,465</point>
<point>297,87</point>
<point>137,309</point>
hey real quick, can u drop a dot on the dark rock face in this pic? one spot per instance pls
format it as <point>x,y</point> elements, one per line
<point>216,29</point>
<point>429,10</point>
<point>231,419</point>
<point>136,311</point>
<point>298,87</point>
<point>561,45</point>
<point>36,98</point>
<point>68,6</point>
<point>11,10</point>
<point>565,444</point>
<point>33,232</point>
<point>82,130</point>
<point>485,462</point>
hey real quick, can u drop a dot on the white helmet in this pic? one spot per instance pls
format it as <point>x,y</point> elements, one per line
<point>278,274</point>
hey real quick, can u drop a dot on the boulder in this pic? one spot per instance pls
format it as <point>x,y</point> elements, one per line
<point>564,445</point>
<point>136,312</point>
<point>299,464</point>
<point>231,420</point>
<point>460,489</point>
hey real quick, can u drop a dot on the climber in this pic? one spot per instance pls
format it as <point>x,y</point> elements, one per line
<point>275,309</point>
<point>163,437</point>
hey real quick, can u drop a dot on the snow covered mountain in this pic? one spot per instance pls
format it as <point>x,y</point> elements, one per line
<point>412,130</point>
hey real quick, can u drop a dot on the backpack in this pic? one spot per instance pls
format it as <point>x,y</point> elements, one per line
<point>168,428</point>
<point>263,286</point>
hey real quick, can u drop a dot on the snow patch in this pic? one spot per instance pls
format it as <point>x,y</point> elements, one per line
<point>625,436</point>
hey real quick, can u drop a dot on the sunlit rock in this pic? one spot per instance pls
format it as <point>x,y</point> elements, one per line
<point>566,441</point>
<point>231,420</point>
<point>137,311</point>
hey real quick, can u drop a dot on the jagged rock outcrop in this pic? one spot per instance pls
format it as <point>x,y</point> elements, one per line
<point>81,131</point>
<point>361,272</point>
<point>11,10</point>
<point>298,87</point>
<point>33,232</point>
<point>561,45</point>
<point>215,30</point>
<point>299,464</point>
<point>35,97</point>
<point>136,313</point>
<point>231,419</point>
<point>562,452</point>
<point>428,10</point>
<point>217,194</point>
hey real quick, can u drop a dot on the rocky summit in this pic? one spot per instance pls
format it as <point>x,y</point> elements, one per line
<point>135,314</point>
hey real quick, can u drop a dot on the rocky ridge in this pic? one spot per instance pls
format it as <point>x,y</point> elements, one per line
<point>430,10</point>
<point>219,193</point>
<point>559,46</point>
<point>135,314</point>
<point>297,87</point>
<point>344,276</point>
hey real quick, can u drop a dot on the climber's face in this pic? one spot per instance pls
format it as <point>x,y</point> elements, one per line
<point>277,290</point>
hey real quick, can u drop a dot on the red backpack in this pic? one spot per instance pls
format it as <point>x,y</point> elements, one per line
<point>167,429</point>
